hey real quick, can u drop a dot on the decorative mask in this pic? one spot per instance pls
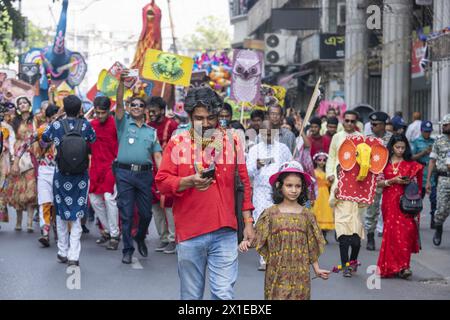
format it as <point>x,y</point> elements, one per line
<point>360,159</point>
<point>29,72</point>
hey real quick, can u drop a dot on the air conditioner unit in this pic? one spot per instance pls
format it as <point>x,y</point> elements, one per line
<point>341,14</point>
<point>279,49</point>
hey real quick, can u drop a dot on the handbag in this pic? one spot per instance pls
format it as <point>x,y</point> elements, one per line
<point>411,201</point>
<point>238,199</point>
<point>25,163</point>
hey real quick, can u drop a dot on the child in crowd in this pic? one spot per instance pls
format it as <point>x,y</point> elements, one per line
<point>288,237</point>
<point>322,209</point>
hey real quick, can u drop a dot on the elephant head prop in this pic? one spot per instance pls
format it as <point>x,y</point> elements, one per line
<point>56,62</point>
<point>361,160</point>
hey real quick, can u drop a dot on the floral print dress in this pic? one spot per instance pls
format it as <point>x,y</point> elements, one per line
<point>289,243</point>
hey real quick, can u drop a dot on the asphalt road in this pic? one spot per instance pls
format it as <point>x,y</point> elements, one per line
<point>28,271</point>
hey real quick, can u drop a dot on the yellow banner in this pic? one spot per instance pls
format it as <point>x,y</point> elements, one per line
<point>167,67</point>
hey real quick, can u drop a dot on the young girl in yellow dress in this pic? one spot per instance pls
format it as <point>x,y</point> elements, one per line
<point>322,209</point>
<point>288,237</point>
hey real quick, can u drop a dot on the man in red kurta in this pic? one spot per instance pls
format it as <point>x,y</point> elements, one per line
<point>162,206</point>
<point>315,139</point>
<point>102,191</point>
<point>204,207</point>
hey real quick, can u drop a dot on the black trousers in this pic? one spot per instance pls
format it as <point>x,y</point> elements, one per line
<point>347,242</point>
<point>134,189</point>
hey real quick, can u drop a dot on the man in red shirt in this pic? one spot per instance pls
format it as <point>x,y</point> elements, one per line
<point>102,190</point>
<point>204,201</point>
<point>315,139</point>
<point>162,206</point>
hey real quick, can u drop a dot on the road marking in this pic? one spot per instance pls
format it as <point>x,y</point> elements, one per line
<point>136,264</point>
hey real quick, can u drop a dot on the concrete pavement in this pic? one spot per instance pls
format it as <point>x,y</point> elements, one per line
<point>28,271</point>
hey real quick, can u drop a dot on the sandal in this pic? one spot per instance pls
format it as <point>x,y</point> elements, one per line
<point>405,274</point>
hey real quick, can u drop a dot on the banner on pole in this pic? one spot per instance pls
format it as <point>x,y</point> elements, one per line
<point>167,67</point>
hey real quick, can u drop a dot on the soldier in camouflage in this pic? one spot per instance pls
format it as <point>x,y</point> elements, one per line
<point>378,122</point>
<point>438,160</point>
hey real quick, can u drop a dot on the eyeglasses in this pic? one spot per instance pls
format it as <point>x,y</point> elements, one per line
<point>139,105</point>
<point>321,159</point>
<point>350,121</point>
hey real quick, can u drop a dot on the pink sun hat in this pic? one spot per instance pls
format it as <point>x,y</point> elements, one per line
<point>291,167</point>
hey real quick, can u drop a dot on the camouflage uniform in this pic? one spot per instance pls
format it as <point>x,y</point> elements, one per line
<point>373,211</point>
<point>441,149</point>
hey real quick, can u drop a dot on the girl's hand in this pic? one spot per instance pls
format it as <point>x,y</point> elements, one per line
<point>322,274</point>
<point>244,246</point>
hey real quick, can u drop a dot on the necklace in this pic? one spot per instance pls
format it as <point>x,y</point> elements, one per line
<point>396,168</point>
<point>212,142</point>
<point>216,144</point>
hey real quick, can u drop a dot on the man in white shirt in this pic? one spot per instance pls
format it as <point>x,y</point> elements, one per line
<point>264,159</point>
<point>413,132</point>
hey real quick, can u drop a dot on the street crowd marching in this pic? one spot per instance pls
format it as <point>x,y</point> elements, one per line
<point>215,186</point>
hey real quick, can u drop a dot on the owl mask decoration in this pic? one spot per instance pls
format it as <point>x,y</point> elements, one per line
<point>246,76</point>
<point>29,72</point>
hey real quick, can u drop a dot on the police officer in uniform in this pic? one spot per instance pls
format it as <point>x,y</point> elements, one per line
<point>138,143</point>
<point>378,122</point>
<point>421,149</point>
<point>438,160</point>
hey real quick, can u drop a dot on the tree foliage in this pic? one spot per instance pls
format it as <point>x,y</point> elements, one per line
<point>211,33</point>
<point>14,28</point>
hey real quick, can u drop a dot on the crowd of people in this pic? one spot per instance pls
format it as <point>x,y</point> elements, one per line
<point>214,186</point>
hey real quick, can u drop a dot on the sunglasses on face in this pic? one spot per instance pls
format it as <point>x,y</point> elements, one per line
<point>373,124</point>
<point>350,121</point>
<point>321,160</point>
<point>138,105</point>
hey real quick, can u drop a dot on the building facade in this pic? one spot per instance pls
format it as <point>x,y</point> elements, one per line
<point>368,52</point>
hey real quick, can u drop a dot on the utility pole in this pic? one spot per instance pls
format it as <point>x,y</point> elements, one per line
<point>172,28</point>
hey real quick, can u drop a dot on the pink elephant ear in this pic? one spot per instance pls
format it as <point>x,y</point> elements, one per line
<point>378,158</point>
<point>347,155</point>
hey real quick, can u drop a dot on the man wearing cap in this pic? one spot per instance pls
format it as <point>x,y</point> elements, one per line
<point>438,160</point>
<point>378,122</point>
<point>421,149</point>
<point>399,124</point>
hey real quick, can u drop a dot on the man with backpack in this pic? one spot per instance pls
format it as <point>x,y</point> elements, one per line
<point>71,136</point>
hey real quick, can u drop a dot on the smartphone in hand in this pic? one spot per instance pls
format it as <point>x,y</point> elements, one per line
<point>210,173</point>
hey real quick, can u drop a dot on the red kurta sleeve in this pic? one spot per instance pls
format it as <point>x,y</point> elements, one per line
<point>167,179</point>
